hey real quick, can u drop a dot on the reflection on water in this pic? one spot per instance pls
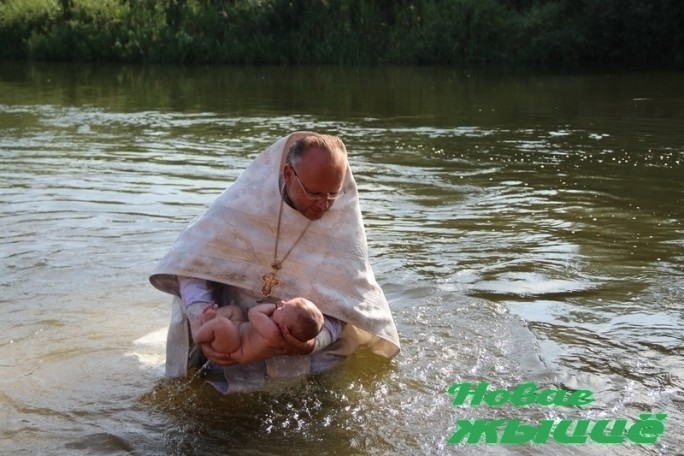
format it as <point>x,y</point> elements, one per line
<point>523,227</point>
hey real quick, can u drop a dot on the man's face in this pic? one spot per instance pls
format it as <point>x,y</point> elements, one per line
<point>313,179</point>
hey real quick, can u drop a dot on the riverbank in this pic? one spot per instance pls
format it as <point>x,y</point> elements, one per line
<point>358,32</point>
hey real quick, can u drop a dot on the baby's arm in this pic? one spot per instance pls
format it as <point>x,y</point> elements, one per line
<point>260,317</point>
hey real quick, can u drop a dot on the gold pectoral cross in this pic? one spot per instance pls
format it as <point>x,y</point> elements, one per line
<point>270,280</point>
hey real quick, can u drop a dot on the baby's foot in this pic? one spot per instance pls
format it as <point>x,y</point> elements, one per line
<point>209,312</point>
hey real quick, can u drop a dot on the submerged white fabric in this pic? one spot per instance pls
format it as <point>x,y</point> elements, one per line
<point>233,243</point>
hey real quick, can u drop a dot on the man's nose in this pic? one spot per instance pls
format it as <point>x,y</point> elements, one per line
<point>323,204</point>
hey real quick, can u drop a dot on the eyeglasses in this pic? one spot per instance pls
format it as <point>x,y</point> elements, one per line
<point>316,196</point>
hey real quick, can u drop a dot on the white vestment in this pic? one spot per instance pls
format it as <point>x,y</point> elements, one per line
<point>233,243</point>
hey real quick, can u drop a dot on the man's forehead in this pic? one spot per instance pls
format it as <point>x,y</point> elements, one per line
<point>317,156</point>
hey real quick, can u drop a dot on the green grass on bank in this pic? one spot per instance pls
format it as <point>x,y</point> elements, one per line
<point>634,32</point>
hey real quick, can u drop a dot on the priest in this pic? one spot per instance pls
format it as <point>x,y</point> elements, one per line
<point>289,226</point>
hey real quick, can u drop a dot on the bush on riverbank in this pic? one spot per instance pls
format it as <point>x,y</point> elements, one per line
<point>344,31</point>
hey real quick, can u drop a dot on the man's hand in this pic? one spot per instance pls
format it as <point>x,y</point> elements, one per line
<point>295,346</point>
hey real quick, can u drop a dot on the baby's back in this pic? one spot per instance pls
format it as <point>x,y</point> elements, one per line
<point>257,345</point>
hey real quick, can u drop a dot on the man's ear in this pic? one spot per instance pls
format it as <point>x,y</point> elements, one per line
<point>287,173</point>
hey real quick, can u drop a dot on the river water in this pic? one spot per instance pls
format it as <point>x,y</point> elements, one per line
<point>525,227</point>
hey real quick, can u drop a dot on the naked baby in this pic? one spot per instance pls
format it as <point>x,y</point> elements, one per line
<point>260,337</point>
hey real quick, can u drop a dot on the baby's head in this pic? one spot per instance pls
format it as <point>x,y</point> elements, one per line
<point>301,318</point>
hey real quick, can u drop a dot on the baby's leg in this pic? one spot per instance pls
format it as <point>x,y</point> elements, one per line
<point>221,333</point>
<point>226,336</point>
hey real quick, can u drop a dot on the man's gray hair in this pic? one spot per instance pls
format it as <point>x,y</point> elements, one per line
<point>329,143</point>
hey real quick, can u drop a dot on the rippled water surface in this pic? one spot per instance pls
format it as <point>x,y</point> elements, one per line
<point>524,227</point>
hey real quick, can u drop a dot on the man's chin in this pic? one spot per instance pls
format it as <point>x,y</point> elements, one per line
<point>314,215</point>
